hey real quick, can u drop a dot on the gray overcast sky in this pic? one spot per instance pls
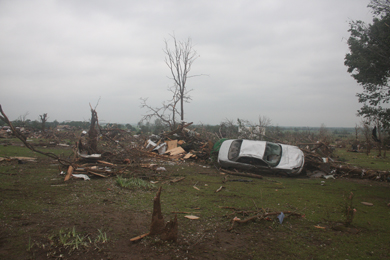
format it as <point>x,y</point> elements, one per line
<point>281,59</point>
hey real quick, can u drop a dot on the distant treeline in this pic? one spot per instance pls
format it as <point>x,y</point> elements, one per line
<point>158,127</point>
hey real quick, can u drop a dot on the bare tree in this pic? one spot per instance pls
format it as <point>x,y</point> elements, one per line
<point>166,113</point>
<point>22,119</point>
<point>249,130</point>
<point>323,133</point>
<point>43,120</point>
<point>356,132</point>
<point>377,135</point>
<point>227,129</point>
<point>179,60</point>
<point>264,121</point>
<point>367,135</point>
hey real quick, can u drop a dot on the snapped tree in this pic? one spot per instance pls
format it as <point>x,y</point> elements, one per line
<point>179,60</point>
<point>43,120</point>
<point>369,63</point>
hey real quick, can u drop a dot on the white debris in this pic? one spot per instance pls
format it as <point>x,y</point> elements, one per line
<point>84,176</point>
<point>328,177</point>
<point>150,144</point>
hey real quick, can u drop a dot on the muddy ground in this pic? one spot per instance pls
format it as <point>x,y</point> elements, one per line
<point>36,203</point>
<point>48,204</point>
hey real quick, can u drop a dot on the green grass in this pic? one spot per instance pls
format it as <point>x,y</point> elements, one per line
<point>37,190</point>
<point>21,150</point>
<point>370,161</point>
<point>133,183</point>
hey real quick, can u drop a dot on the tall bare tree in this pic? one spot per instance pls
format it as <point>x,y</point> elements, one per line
<point>179,59</point>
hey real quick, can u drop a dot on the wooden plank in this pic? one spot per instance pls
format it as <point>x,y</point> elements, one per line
<point>175,151</point>
<point>103,162</point>
<point>139,237</point>
<point>97,174</point>
<point>171,144</point>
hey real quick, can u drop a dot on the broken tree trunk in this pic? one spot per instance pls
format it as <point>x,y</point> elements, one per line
<point>92,133</point>
<point>170,231</point>
<point>166,231</point>
<point>157,225</point>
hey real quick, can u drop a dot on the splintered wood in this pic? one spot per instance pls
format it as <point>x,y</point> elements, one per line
<point>69,173</point>
<point>158,223</point>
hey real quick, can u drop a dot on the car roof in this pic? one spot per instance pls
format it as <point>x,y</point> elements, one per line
<point>252,148</point>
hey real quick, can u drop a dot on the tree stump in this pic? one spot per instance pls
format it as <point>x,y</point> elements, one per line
<point>167,231</point>
<point>157,226</point>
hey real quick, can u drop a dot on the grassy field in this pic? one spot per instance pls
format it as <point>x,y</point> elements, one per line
<point>44,217</point>
<point>370,161</point>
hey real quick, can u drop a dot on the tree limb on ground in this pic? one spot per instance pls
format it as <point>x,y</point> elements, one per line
<point>261,216</point>
<point>22,138</point>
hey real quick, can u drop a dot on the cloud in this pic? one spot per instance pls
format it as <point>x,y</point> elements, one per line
<point>282,59</point>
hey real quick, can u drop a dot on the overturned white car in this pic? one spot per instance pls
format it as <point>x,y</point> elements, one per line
<point>261,156</point>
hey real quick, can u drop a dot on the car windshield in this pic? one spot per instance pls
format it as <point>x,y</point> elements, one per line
<point>272,154</point>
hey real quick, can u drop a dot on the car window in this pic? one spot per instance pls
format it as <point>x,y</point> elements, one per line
<point>234,149</point>
<point>272,154</point>
<point>252,161</point>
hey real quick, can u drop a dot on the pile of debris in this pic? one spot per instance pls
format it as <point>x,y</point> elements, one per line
<point>320,162</point>
<point>107,152</point>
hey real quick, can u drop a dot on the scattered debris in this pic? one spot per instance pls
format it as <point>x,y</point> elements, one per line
<point>118,149</point>
<point>319,227</point>
<point>219,189</point>
<point>82,176</point>
<point>259,215</point>
<point>18,158</point>
<point>328,177</point>
<point>177,179</point>
<point>191,217</point>
<point>368,203</point>
<point>281,217</point>
<point>90,156</point>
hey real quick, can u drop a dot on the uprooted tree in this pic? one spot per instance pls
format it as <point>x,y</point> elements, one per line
<point>179,60</point>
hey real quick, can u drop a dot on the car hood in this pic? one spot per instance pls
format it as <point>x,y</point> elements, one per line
<point>292,157</point>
